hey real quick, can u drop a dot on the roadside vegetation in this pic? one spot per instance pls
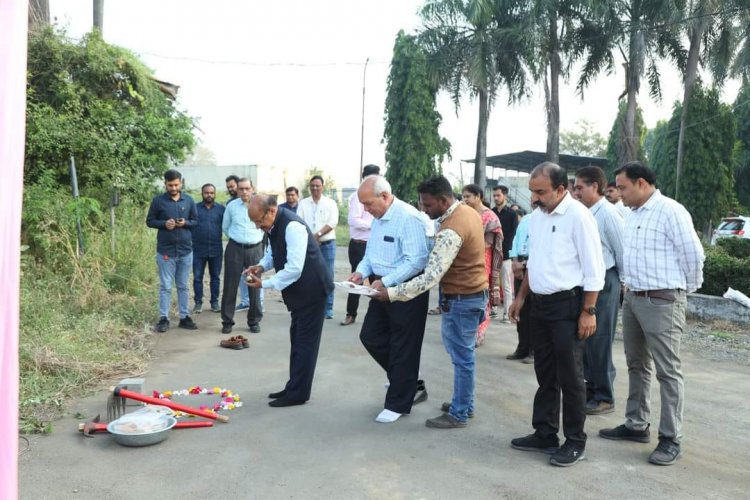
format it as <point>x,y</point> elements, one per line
<point>85,310</point>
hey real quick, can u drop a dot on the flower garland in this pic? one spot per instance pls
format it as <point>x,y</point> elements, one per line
<point>228,401</point>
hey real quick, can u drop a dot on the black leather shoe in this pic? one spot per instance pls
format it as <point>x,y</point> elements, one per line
<point>516,355</point>
<point>255,328</point>
<point>534,442</point>
<point>623,433</point>
<point>284,401</point>
<point>226,329</point>
<point>277,395</point>
<point>666,453</point>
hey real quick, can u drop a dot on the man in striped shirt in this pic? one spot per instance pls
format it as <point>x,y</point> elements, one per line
<point>663,261</point>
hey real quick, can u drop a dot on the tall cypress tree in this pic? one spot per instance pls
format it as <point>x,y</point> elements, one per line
<point>414,149</point>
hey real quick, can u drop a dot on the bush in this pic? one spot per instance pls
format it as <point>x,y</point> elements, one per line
<point>723,270</point>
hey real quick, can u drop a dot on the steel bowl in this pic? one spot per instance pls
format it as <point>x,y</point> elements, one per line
<point>142,439</point>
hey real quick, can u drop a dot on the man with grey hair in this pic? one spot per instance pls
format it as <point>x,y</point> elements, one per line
<point>304,283</point>
<point>392,332</point>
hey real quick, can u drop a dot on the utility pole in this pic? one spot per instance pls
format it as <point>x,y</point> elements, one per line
<point>99,16</point>
<point>362,136</point>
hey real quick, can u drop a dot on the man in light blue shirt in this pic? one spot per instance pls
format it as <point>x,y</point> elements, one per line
<point>519,254</point>
<point>392,332</point>
<point>598,367</point>
<point>244,249</point>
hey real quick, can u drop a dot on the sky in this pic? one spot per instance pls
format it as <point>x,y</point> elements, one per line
<point>280,84</point>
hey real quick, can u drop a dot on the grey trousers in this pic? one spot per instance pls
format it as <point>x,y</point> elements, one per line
<point>652,330</point>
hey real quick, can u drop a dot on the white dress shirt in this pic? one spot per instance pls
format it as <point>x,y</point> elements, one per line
<point>564,249</point>
<point>661,249</point>
<point>317,215</point>
<point>622,209</point>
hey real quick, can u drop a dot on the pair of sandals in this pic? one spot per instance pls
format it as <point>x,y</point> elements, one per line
<point>236,342</point>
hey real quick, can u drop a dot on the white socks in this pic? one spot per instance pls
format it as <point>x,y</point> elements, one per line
<point>387,417</point>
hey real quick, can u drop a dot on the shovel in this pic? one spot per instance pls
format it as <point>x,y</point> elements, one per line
<point>116,405</point>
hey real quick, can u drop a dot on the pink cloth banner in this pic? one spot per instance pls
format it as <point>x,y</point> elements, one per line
<point>13,32</point>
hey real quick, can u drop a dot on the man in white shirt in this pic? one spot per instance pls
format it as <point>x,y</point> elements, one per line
<point>598,368</point>
<point>663,261</point>
<point>321,214</point>
<point>565,274</point>
<point>360,222</point>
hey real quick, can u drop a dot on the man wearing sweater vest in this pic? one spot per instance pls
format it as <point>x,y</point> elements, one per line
<point>303,279</point>
<point>565,274</point>
<point>456,262</point>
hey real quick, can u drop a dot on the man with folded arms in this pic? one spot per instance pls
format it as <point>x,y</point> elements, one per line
<point>393,333</point>
<point>304,283</point>
<point>565,273</point>
<point>663,260</point>
<point>456,262</point>
<point>243,250</point>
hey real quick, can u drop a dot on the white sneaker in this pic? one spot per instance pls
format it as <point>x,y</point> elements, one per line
<point>387,417</point>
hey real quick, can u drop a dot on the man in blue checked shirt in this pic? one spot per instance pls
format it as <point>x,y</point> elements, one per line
<point>392,332</point>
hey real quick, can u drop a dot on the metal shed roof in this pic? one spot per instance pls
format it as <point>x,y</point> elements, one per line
<point>525,161</point>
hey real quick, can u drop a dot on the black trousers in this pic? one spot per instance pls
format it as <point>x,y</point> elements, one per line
<point>304,336</point>
<point>558,363</point>
<point>236,259</point>
<point>356,254</point>
<point>392,333</point>
<point>523,327</point>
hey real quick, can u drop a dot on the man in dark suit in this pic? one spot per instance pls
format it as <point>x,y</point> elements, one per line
<point>303,279</point>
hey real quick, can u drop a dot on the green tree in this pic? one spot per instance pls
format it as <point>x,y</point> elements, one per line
<point>620,145</point>
<point>742,172</point>
<point>98,103</point>
<point>712,35</point>
<point>643,32</point>
<point>706,184</point>
<point>474,47</point>
<point>583,141</point>
<point>414,149</point>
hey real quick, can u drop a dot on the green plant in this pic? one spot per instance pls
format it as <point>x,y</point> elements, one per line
<point>722,270</point>
<point>735,247</point>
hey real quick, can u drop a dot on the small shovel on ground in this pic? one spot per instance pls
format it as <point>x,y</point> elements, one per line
<point>94,425</point>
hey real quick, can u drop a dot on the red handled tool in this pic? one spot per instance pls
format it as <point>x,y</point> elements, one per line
<point>116,405</point>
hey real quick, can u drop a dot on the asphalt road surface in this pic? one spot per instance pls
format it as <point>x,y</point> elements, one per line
<point>332,447</point>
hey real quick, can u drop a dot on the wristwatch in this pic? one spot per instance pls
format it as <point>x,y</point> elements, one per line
<point>591,310</point>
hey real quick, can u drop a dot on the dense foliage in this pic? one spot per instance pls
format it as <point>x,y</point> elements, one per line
<point>617,147</point>
<point>98,103</point>
<point>727,265</point>
<point>742,172</point>
<point>706,183</point>
<point>414,149</point>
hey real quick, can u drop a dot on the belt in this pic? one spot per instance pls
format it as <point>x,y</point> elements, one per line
<point>666,293</point>
<point>557,296</point>
<point>326,242</point>
<point>361,242</point>
<point>245,245</point>
<point>464,296</point>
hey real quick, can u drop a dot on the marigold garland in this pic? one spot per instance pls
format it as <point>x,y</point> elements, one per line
<point>229,400</point>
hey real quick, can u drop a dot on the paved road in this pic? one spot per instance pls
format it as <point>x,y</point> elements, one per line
<point>332,448</point>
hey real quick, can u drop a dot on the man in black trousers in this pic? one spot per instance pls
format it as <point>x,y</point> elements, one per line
<point>565,275</point>
<point>304,282</point>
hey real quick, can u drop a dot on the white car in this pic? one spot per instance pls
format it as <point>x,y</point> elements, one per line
<point>732,227</point>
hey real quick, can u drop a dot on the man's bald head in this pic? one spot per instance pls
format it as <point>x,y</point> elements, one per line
<point>262,211</point>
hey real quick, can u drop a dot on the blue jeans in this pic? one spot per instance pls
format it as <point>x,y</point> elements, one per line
<point>174,270</point>
<point>460,319</point>
<point>329,255</point>
<point>214,270</point>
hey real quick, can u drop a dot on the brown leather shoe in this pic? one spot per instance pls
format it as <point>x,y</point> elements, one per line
<point>348,320</point>
<point>232,343</point>
<point>245,342</point>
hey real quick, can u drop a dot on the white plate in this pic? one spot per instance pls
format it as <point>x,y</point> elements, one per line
<point>349,287</point>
